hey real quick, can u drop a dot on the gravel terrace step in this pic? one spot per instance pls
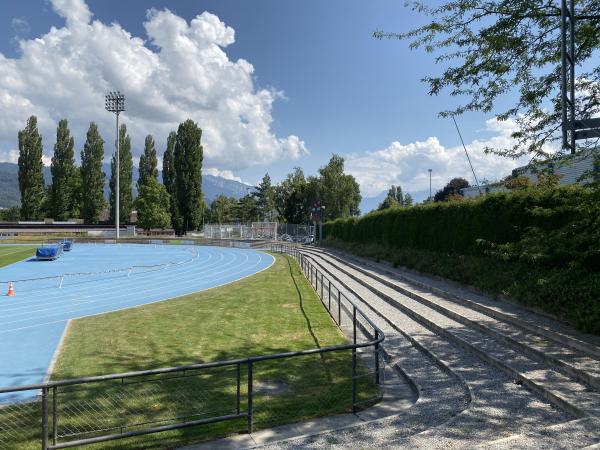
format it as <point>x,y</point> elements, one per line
<point>570,361</point>
<point>508,311</point>
<point>500,407</point>
<point>539,376</point>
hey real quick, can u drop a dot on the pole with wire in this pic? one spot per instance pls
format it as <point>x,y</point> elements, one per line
<point>467,153</point>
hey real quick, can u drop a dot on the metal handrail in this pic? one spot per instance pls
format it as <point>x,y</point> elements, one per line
<point>306,266</point>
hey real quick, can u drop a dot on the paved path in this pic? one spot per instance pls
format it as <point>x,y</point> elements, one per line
<point>31,324</point>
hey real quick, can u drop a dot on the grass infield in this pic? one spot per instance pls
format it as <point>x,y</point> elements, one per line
<point>11,254</point>
<point>273,311</point>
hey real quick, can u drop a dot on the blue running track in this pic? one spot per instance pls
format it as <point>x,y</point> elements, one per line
<point>32,323</point>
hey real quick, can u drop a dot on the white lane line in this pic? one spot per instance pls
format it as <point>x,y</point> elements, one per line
<point>148,303</point>
<point>72,289</point>
<point>154,288</point>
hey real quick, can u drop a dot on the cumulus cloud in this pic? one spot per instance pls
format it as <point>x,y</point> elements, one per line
<point>180,70</point>
<point>227,174</point>
<point>407,164</point>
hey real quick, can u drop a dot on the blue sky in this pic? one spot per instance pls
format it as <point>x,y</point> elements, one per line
<point>320,85</point>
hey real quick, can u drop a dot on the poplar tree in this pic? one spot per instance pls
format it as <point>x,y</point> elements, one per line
<point>31,178</point>
<point>125,178</point>
<point>92,176</point>
<point>187,160</point>
<point>148,163</point>
<point>63,193</point>
<point>168,176</point>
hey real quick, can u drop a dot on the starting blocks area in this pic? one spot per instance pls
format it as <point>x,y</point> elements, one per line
<point>98,278</point>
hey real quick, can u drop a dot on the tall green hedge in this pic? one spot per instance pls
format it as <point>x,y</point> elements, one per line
<point>540,246</point>
<point>456,227</point>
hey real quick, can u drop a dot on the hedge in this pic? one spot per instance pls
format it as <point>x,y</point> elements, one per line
<point>459,226</point>
<point>540,246</point>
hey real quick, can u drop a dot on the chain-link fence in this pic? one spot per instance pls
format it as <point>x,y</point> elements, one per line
<point>270,231</point>
<point>259,391</point>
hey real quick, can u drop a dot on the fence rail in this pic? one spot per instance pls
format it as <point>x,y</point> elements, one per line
<point>73,412</point>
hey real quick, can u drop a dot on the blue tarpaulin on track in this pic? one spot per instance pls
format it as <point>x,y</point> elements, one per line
<point>67,245</point>
<point>48,253</point>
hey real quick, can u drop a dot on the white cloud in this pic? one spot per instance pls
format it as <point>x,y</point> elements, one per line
<point>407,164</point>
<point>20,25</point>
<point>227,174</point>
<point>181,71</point>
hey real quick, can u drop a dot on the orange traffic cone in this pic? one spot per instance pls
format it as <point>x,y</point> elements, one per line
<point>11,290</point>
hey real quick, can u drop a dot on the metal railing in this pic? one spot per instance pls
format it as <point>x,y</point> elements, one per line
<point>73,412</point>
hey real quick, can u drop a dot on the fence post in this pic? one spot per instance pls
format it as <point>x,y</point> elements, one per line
<point>329,294</point>
<point>54,416</point>
<point>377,357</point>
<point>339,308</point>
<point>354,322</point>
<point>239,380</point>
<point>44,418</point>
<point>354,360</point>
<point>250,394</point>
<point>322,298</point>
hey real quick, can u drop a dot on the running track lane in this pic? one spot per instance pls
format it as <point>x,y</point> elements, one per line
<point>32,323</point>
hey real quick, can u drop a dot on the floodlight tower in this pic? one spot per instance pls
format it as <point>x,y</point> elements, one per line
<point>572,128</point>
<point>115,102</point>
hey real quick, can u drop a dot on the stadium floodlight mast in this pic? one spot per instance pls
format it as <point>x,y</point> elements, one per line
<point>115,102</point>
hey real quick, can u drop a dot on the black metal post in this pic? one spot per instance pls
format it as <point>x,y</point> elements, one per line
<point>54,416</point>
<point>239,382</point>
<point>354,322</point>
<point>339,308</point>
<point>322,298</point>
<point>44,418</point>
<point>250,394</point>
<point>376,351</point>
<point>329,294</point>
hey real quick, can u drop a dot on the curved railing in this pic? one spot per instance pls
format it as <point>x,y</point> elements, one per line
<point>95,409</point>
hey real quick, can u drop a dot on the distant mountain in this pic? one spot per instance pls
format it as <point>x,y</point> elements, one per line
<point>212,186</point>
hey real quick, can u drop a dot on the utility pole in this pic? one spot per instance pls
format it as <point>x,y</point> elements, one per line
<point>115,102</point>
<point>429,170</point>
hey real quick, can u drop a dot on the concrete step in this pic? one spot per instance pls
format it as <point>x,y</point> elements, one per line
<point>553,386</point>
<point>498,402</point>
<point>571,362</point>
<point>510,312</point>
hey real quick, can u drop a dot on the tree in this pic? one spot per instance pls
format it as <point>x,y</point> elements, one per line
<point>31,178</point>
<point>187,160</point>
<point>64,193</point>
<point>92,176</point>
<point>168,176</point>
<point>223,209</point>
<point>153,205</point>
<point>491,48</point>
<point>290,198</point>
<point>451,191</point>
<point>265,199</point>
<point>247,209</point>
<point>338,192</point>
<point>125,178</point>
<point>408,200</point>
<point>394,198</point>
<point>148,163</point>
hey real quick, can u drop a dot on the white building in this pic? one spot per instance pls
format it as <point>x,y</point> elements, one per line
<point>570,169</point>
